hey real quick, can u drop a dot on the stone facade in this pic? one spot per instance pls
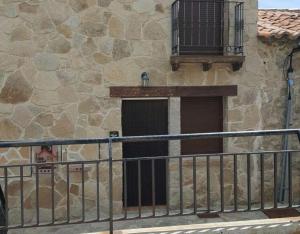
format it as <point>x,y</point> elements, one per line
<point>59,58</point>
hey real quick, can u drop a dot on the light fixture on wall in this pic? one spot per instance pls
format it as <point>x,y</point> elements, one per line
<point>145,79</point>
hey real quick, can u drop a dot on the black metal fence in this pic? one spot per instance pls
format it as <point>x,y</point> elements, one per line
<point>207,27</point>
<point>109,203</point>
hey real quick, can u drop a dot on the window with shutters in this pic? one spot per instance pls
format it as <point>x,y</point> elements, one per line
<point>207,27</point>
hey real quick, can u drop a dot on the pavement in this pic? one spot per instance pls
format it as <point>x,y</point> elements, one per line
<point>255,222</point>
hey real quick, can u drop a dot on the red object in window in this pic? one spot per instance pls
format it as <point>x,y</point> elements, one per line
<point>47,154</point>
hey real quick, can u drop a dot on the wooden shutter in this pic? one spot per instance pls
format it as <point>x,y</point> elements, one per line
<point>203,114</point>
<point>201,26</point>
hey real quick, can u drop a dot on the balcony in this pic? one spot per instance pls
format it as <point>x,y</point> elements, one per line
<point>207,32</point>
<point>201,185</point>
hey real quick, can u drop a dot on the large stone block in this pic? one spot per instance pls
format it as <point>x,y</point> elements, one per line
<point>9,10</point>
<point>143,6</point>
<point>34,131</point>
<point>64,30</point>
<point>121,49</point>
<point>16,89</point>
<point>89,105</point>
<point>9,63</point>
<point>22,49</point>
<point>67,94</point>
<point>92,29</point>
<point>95,119</point>
<point>101,58</point>
<point>60,45</point>
<point>46,62</point>
<point>46,81</point>
<point>22,116</point>
<point>45,98</point>
<point>25,7</point>
<point>79,5</point>
<point>116,28</point>
<point>91,77</point>
<point>20,34</point>
<point>8,130</point>
<point>63,127</point>
<point>88,47</point>
<point>57,11</point>
<point>134,28</point>
<point>154,31</point>
<point>45,119</point>
<point>104,3</point>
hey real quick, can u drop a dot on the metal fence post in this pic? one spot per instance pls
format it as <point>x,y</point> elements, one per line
<point>6,200</point>
<point>111,216</point>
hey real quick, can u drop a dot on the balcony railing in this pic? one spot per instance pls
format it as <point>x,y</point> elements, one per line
<point>212,27</point>
<point>193,184</point>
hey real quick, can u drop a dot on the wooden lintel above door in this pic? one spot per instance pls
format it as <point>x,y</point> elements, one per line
<point>173,91</point>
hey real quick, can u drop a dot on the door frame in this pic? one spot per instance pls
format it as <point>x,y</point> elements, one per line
<point>144,99</point>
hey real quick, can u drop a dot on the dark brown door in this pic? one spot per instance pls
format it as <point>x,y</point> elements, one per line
<point>203,114</point>
<point>139,118</point>
<point>201,26</point>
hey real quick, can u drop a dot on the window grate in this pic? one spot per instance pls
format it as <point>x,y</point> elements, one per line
<point>207,27</point>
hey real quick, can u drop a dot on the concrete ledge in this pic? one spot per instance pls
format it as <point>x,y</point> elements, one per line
<point>207,60</point>
<point>282,225</point>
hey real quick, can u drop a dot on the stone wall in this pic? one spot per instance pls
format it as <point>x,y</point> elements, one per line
<point>58,59</point>
<point>274,104</point>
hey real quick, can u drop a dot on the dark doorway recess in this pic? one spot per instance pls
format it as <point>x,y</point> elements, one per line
<point>202,114</point>
<point>145,117</point>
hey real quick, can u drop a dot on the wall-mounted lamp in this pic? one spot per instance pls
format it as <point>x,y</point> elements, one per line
<point>145,79</point>
<point>290,73</point>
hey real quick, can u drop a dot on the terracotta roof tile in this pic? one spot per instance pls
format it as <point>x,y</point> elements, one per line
<point>279,23</point>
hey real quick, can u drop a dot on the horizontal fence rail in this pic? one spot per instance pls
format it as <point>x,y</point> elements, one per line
<point>278,132</point>
<point>207,27</point>
<point>111,189</point>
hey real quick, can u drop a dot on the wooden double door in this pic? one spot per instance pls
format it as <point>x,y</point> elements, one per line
<point>150,117</point>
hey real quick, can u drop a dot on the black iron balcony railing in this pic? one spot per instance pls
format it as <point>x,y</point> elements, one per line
<point>194,184</point>
<point>207,27</point>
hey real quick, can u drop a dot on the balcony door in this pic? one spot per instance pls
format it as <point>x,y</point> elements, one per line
<point>201,26</point>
